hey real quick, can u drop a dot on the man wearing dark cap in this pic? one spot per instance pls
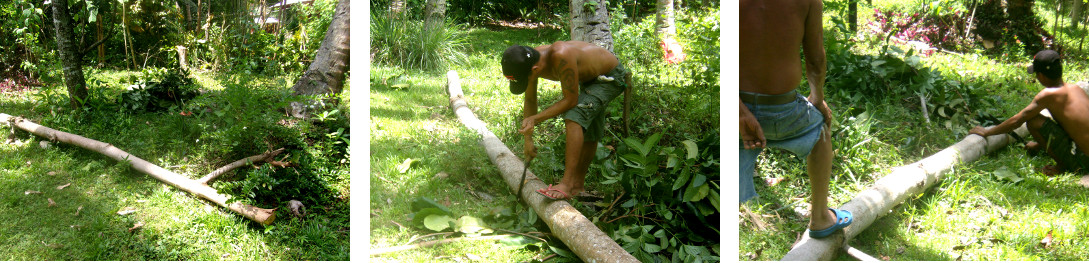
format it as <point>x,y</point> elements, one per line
<point>773,113</point>
<point>1065,133</point>
<point>590,77</point>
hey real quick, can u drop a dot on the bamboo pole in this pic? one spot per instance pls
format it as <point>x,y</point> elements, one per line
<point>567,224</point>
<point>894,188</point>
<point>260,215</point>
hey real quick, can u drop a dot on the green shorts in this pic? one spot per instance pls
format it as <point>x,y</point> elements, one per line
<point>1064,149</point>
<point>594,98</point>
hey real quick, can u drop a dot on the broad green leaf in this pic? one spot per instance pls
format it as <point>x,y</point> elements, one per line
<point>693,194</point>
<point>653,181</point>
<point>418,217</point>
<point>562,252</point>
<point>690,146</point>
<point>471,225</point>
<point>528,217</point>
<point>423,203</point>
<point>698,180</point>
<point>437,222</point>
<point>692,250</point>
<point>652,141</point>
<point>681,180</point>
<point>714,199</point>
<point>404,166</point>
<point>651,248</point>
<point>1004,174</point>
<point>517,242</point>
<point>635,144</point>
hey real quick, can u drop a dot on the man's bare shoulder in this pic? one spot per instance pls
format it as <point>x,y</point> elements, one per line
<point>1048,96</point>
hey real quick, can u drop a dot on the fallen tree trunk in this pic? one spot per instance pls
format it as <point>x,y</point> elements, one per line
<point>567,224</point>
<point>231,166</point>
<point>260,215</point>
<point>894,188</point>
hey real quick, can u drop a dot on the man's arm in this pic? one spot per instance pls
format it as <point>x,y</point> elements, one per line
<point>815,65</point>
<point>529,108</point>
<point>1029,112</point>
<point>752,135</point>
<point>567,73</point>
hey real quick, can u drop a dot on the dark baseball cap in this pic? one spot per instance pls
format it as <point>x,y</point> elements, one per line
<point>1047,62</point>
<point>517,63</point>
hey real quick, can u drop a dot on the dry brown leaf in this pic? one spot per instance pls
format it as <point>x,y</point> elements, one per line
<point>127,210</point>
<point>52,173</point>
<point>136,226</point>
<point>884,258</point>
<point>51,203</point>
<point>80,208</point>
<point>31,192</point>
<point>63,186</point>
<point>1046,242</point>
<point>900,250</point>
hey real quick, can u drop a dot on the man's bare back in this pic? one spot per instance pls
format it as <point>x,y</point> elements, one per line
<point>773,31</point>
<point>590,60</point>
<point>1069,106</point>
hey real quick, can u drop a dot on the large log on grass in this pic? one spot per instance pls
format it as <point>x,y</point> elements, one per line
<point>894,188</point>
<point>260,215</point>
<point>567,224</point>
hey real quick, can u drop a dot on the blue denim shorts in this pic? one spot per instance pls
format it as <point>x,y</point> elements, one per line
<point>795,126</point>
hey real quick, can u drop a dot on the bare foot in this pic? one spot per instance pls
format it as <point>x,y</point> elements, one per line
<point>1033,148</point>
<point>560,191</point>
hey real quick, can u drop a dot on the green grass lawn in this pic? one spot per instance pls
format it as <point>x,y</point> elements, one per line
<point>84,223</point>
<point>416,123</point>
<point>973,214</point>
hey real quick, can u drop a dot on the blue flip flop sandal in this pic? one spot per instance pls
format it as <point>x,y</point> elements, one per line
<point>843,219</point>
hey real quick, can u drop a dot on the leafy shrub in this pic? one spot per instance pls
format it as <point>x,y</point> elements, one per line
<point>671,209</point>
<point>946,30</point>
<point>159,89</point>
<point>895,76</point>
<point>317,152</point>
<point>410,44</point>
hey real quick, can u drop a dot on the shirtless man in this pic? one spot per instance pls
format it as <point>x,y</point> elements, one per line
<point>590,77</point>
<point>773,114</point>
<point>1063,135</point>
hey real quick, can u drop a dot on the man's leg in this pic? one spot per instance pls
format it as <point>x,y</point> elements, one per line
<point>819,166</point>
<point>574,173</point>
<point>589,150</point>
<point>1042,135</point>
<point>1034,125</point>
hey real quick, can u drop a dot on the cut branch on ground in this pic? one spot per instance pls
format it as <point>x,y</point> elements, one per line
<point>264,157</point>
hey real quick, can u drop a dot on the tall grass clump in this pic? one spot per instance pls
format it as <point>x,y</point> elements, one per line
<point>407,43</point>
